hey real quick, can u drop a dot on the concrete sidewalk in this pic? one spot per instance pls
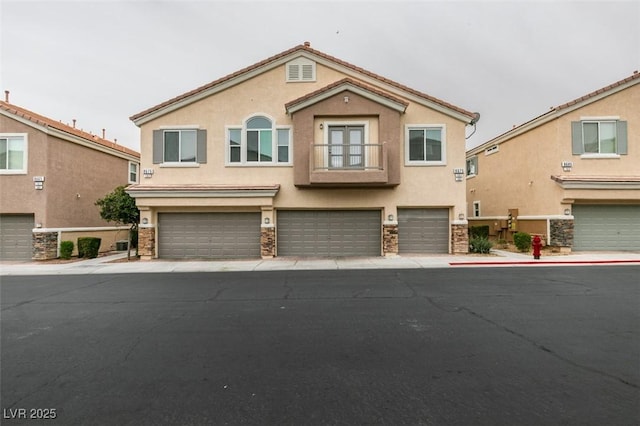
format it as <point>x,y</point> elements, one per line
<point>106,264</point>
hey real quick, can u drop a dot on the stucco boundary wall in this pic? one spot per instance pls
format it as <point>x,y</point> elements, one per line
<point>545,227</point>
<point>109,235</point>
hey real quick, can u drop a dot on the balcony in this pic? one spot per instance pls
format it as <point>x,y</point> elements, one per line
<point>348,165</point>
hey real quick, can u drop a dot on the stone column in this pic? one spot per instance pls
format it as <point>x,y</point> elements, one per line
<point>561,233</point>
<point>45,245</point>
<point>146,243</point>
<point>267,241</point>
<point>459,239</point>
<point>390,239</point>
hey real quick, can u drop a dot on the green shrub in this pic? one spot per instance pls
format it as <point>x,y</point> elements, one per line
<point>479,231</point>
<point>480,245</point>
<point>88,247</point>
<point>66,248</point>
<point>522,241</point>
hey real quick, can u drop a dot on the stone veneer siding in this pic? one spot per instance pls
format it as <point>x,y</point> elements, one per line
<point>561,232</point>
<point>268,242</point>
<point>45,245</point>
<point>147,242</point>
<point>390,239</point>
<point>459,239</point>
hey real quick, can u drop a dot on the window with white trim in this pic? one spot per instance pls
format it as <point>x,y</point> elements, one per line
<point>13,153</point>
<point>476,209</point>
<point>180,146</point>
<point>259,142</point>
<point>425,145</point>
<point>472,166</point>
<point>599,137</point>
<point>133,172</point>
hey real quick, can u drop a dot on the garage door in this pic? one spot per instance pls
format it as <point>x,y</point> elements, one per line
<point>16,236</point>
<point>599,227</point>
<point>209,235</point>
<point>329,233</point>
<point>423,230</point>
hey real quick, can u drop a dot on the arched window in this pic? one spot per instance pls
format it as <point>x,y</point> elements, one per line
<point>259,141</point>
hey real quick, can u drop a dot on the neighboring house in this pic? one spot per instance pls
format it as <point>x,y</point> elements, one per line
<point>571,175</point>
<point>302,154</point>
<point>51,175</point>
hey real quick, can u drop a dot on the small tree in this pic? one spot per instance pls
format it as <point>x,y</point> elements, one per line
<point>120,207</point>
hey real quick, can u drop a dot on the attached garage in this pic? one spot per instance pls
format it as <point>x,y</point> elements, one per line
<point>329,233</point>
<point>423,231</point>
<point>606,227</point>
<point>209,235</point>
<point>16,236</point>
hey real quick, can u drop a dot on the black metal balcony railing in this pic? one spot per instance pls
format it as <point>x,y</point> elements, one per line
<point>347,156</point>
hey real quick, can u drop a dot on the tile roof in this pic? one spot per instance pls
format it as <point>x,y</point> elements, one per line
<point>48,122</point>
<point>302,48</point>
<point>634,76</point>
<point>553,112</point>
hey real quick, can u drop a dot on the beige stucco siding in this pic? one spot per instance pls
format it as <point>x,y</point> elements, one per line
<point>267,94</point>
<point>519,174</point>
<point>75,177</point>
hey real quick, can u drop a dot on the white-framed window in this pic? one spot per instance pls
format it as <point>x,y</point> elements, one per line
<point>425,144</point>
<point>599,137</point>
<point>258,142</point>
<point>180,146</point>
<point>13,153</point>
<point>175,147</point>
<point>133,172</point>
<point>476,209</point>
<point>491,150</point>
<point>301,70</point>
<point>472,166</point>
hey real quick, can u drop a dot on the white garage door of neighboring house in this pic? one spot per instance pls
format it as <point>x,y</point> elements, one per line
<point>16,236</point>
<point>209,235</point>
<point>329,233</point>
<point>606,227</point>
<point>423,230</point>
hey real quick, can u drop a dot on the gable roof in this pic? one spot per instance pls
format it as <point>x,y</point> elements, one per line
<point>276,60</point>
<point>351,85</point>
<point>64,131</point>
<point>559,111</point>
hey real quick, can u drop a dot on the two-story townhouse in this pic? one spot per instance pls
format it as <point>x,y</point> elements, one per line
<point>302,154</point>
<point>51,175</point>
<point>571,175</point>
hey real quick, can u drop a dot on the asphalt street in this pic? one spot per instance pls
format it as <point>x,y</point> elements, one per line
<point>473,346</point>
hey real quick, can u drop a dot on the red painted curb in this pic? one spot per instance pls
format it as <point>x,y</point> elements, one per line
<point>537,262</point>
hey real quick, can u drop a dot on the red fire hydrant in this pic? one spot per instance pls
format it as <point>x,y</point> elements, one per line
<point>537,244</point>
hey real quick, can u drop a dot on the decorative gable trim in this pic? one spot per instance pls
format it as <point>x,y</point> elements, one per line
<point>352,86</point>
<point>301,51</point>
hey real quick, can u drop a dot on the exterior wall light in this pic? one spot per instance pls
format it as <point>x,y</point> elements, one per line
<point>461,216</point>
<point>267,221</point>
<point>390,217</point>
<point>145,221</point>
<point>567,212</point>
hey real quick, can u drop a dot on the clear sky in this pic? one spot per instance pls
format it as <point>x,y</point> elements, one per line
<point>100,62</point>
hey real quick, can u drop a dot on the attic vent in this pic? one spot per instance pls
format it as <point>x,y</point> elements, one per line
<point>301,69</point>
<point>491,150</point>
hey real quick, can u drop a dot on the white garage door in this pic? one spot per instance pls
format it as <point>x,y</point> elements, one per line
<point>606,227</point>
<point>423,230</point>
<point>329,233</point>
<point>16,236</point>
<point>209,235</point>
